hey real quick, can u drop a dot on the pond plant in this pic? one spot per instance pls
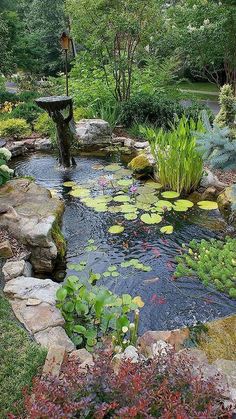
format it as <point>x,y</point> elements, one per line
<point>179,163</point>
<point>213,262</point>
<point>5,172</point>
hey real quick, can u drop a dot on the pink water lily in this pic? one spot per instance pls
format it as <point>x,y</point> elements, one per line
<point>133,189</point>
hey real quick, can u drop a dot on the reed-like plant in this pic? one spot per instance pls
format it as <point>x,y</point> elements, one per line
<point>179,163</point>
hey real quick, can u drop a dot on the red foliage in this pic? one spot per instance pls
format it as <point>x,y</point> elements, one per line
<point>166,389</point>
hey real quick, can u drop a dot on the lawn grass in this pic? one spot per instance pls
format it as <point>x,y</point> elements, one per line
<point>20,360</point>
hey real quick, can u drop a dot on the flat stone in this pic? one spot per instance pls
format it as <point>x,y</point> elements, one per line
<point>13,269</point>
<point>141,144</point>
<point>24,288</point>
<point>33,302</point>
<point>82,356</point>
<point>38,317</point>
<point>175,338</point>
<point>54,336</point>
<point>93,131</point>
<point>5,250</point>
<point>53,362</point>
<point>43,144</point>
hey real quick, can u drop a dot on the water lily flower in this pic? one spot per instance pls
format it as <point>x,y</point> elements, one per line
<point>133,189</point>
<point>103,182</point>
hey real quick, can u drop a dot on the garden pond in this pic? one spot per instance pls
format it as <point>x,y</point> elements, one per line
<point>115,223</point>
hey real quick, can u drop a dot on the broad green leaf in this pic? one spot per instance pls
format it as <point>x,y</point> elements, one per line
<point>208,205</point>
<point>112,167</point>
<point>151,219</point>
<point>121,198</point>
<point>79,192</point>
<point>68,307</point>
<point>125,182</point>
<point>170,194</point>
<point>152,184</point>
<point>127,208</point>
<point>61,294</point>
<point>164,204</point>
<point>184,202</point>
<point>131,216</point>
<point>167,229</point>
<point>70,184</point>
<point>79,329</point>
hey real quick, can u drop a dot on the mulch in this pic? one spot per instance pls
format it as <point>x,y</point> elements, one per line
<point>228,177</point>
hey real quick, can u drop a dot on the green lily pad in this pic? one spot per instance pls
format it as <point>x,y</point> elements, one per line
<point>147,198</point>
<point>122,172</point>
<point>97,167</point>
<point>167,229</point>
<point>151,219</point>
<point>112,167</point>
<point>208,205</point>
<point>121,198</point>
<point>116,229</point>
<point>145,190</point>
<point>127,208</point>
<point>100,207</point>
<point>142,206</point>
<point>125,182</point>
<point>69,184</point>
<point>79,192</point>
<point>114,209</point>
<point>131,216</point>
<point>184,202</point>
<point>164,204</point>
<point>152,184</point>
<point>170,194</point>
<point>180,208</point>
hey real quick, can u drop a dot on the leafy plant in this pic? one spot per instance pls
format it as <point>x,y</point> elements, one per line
<point>5,171</point>
<point>179,163</point>
<point>213,262</point>
<point>14,128</point>
<point>164,387</point>
<point>45,125</point>
<point>82,113</point>
<point>110,112</point>
<point>92,312</point>
<point>28,111</point>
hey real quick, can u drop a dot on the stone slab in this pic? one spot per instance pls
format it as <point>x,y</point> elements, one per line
<point>53,362</point>
<point>54,336</point>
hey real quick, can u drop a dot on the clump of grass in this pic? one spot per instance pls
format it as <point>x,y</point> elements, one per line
<point>20,358</point>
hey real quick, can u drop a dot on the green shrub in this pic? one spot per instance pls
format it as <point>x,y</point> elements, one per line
<point>110,112</point>
<point>44,125</point>
<point>227,113</point>
<point>179,164</point>
<point>8,97</point>
<point>28,111</point>
<point>27,96</point>
<point>14,128</point>
<point>213,262</point>
<point>82,113</point>
<point>5,171</point>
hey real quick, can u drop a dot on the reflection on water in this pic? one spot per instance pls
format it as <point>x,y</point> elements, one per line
<point>169,303</point>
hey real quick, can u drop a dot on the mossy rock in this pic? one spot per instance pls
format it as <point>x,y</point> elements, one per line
<point>225,202</point>
<point>219,342</point>
<point>141,165</point>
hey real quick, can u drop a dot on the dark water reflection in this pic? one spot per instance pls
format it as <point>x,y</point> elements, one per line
<point>168,303</point>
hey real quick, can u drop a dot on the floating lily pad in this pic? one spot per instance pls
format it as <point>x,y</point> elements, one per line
<point>145,190</point>
<point>127,208</point>
<point>70,184</point>
<point>147,198</point>
<point>121,198</point>
<point>79,192</point>
<point>114,209</point>
<point>125,182</point>
<point>208,205</point>
<point>152,184</point>
<point>184,202</point>
<point>151,219</point>
<point>164,204</point>
<point>122,172</point>
<point>116,229</point>
<point>170,194</point>
<point>100,207</point>
<point>142,206</point>
<point>167,229</point>
<point>180,208</point>
<point>131,216</point>
<point>112,167</point>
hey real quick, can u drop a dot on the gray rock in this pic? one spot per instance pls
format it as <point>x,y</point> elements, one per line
<point>37,317</point>
<point>17,148</point>
<point>93,132</point>
<point>5,250</point>
<point>82,356</point>
<point>54,336</point>
<point>43,144</point>
<point>24,288</point>
<point>209,179</point>
<point>14,269</point>
<point>228,368</point>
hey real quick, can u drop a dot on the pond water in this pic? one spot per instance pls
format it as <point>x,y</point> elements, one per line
<point>169,303</point>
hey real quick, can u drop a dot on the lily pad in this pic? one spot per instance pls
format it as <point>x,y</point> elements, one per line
<point>125,182</point>
<point>112,167</point>
<point>142,206</point>
<point>114,209</point>
<point>167,229</point>
<point>131,216</point>
<point>184,202</point>
<point>100,207</point>
<point>208,205</point>
<point>151,219</point>
<point>170,194</point>
<point>121,198</point>
<point>70,184</point>
<point>116,229</point>
<point>180,208</point>
<point>147,198</point>
<point>162,204</point>
<point>127,208</point>
<point>152,184</point>
<point>79,192</point>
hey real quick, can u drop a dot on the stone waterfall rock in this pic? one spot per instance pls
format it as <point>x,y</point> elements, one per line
<point>31,214</point>
<point>93,132</point>
<point>16,268</point>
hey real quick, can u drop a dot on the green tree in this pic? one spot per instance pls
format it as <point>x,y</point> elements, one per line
<point>115,33</point>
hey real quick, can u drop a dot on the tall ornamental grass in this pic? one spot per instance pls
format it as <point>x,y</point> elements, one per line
<point>179,163</point>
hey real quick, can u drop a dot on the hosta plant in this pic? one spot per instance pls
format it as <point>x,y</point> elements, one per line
<point>179,163</point>
<point>213,262</point>
<point>93,312</point>
<point>5,172</point>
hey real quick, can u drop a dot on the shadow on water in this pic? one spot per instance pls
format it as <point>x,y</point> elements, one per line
<point>169,303</point>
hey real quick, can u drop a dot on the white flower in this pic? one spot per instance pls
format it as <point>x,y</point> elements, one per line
<point>6,169</point>
<point>125,329</point>
<point>206,22</point>
<point>191,28</point>
<point>5,153</point>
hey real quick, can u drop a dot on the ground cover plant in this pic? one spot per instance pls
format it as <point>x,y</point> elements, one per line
<point>159,388</point>
<point>20,360</point>
<point>213,262</point>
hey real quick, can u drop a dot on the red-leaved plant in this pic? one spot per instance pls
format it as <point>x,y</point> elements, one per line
<point>168,389</point>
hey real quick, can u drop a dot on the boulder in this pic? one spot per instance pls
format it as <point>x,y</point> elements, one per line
<point>141,165</point>
<point>5,250</point>
<point>24,288</point>
<point>38,317</point>
<point>54,360</point>
<point>83,357</point>
<point>32,216</point>
<point>54,336</point>
<point>93,132</point>
<point>16,268</point>
<point>43,144</point>
<point>227,204</point>
<point>17,148</point>
<point>209,179</point>
<point>175,338</point>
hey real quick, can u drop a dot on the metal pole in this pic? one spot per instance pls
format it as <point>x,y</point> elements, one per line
<point>66,71</point>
